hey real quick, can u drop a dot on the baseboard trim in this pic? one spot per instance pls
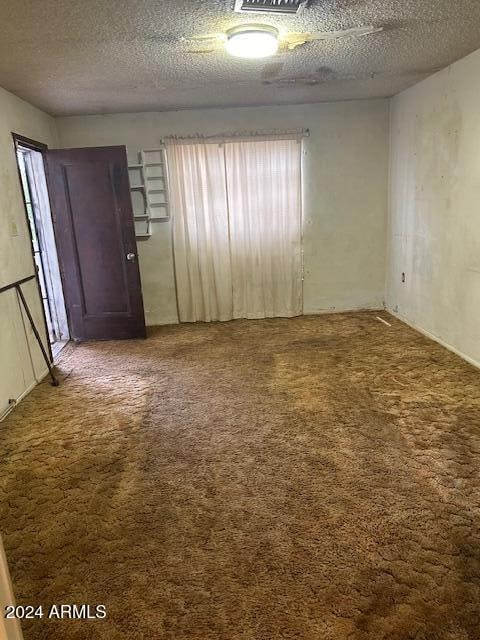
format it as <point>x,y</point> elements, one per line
<point>166,322</point>
<point>37,381</point>
<point>304,314</point>
<point>323,312</point>
<point>433,337</point>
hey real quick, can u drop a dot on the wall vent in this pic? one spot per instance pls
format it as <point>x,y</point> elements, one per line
<point>271,6</point>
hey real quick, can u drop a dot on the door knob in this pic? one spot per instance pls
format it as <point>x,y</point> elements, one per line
<point>130,257</point>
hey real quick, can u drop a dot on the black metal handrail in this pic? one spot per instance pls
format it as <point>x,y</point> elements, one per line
<point>18,286</point>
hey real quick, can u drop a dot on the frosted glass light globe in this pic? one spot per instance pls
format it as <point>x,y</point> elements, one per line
<point>252,42</point>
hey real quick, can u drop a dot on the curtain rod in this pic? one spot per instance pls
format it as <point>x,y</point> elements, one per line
<point>273,134</point>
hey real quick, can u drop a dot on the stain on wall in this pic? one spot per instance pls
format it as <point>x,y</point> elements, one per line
<point>434,226</point>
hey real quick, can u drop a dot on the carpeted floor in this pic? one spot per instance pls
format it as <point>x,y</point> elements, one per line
<point>315,478</point>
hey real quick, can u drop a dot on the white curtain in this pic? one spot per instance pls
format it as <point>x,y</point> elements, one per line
<point>200,232</point>
<point>263,185</point>
<point>237,228</point>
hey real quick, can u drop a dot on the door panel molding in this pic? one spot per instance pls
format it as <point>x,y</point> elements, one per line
<point>91,197</point>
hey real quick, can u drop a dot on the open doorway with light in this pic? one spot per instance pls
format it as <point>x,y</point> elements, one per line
<point>30,160</point>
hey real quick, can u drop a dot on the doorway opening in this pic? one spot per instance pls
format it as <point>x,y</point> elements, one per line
<point>33,181</point>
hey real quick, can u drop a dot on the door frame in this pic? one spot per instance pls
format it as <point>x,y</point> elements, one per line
<point>9,629</point>
<point>40,147</point>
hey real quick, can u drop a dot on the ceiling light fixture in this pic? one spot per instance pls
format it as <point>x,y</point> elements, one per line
<point>252,41</point>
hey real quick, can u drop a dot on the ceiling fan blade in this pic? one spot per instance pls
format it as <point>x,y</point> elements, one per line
<point>203,51</point>
<point>293,40</point>
<point>354,32</point>
<point>219,37</point>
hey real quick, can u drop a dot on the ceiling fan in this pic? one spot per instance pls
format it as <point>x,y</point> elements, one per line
<point>261,41</point>
<point>272,75</point>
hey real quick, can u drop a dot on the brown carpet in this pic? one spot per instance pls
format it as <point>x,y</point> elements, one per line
<point>315,478</point>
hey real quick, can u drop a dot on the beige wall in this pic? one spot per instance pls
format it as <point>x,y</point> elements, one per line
<point>434,229</point>
<point>345,180</point>
<point>17,372</point>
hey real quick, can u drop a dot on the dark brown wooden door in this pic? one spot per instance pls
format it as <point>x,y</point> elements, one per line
<point>95,233</point>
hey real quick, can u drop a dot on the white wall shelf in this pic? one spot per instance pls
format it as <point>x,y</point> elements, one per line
<point>149,198</point>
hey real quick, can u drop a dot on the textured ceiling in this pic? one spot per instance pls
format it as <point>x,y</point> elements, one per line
<point>102,56</point>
